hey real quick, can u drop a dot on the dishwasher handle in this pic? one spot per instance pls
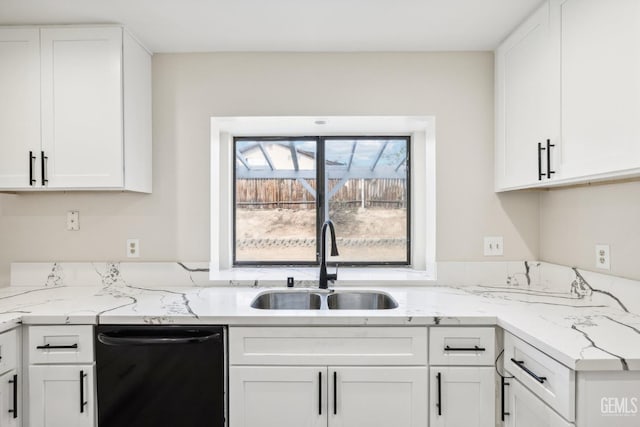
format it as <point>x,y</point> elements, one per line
<point>107,339</point>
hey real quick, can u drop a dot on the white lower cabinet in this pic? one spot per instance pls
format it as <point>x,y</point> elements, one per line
<point>377,396</point>
<point>61,396</point>
<point>320,396</point>
<point>328,377</point>
<point>282,396</point>
<point>526,410</point>
<point>9,399</point>
<point>61,376</point>
<point>462,397</point>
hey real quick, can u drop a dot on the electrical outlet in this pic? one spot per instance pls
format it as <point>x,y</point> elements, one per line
<point>493,246</point>
<point>603,257</point>
<point>73,220</point>
<point>133,248</point>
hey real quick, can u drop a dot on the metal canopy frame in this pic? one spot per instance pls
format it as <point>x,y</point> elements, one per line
<point>336,170</point>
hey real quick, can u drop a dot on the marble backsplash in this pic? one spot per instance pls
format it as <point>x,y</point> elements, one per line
<point>525,279</point>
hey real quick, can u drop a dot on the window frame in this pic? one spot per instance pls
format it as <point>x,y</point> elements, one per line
<point>320,199</point>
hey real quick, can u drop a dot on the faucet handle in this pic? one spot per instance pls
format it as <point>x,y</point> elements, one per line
<point>333,276</point>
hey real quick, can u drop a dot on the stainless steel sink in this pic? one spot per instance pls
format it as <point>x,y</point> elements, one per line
<point>283,300</point>
<point>333,300</point>
<point>360,300</point>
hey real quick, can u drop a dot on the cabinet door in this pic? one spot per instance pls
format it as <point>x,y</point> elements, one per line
<point>61,396</point>
<point>377,397</point>
<point>526,410</point>
<point>9,403</point>
<point>600,43</point>
<point>19,105</point>
<point>527,101</point>
<point>264,396</point>
<point>82,133</point>
<point>462,397</point>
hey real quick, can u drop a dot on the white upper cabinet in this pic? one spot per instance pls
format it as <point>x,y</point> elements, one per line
<point>569,79</point>
<point>82,107</point>
<point>600,41</point>
<point>19,106</point>
<point>85,93</point>
<point>527,102</point>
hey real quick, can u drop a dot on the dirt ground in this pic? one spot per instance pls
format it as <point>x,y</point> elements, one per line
<point>363,234</point>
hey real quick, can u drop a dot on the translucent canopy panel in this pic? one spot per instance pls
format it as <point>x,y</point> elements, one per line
<point>366,158</point>
<point>275,155</point>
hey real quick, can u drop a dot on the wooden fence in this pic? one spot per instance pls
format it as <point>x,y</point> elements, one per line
<point>291,194</point>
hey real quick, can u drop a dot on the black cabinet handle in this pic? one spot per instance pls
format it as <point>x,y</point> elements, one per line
<point>439,402</point>
<point>549,171</point>
<point>31,159</point>
<point>335,393</point>
<point>82,401</point>
<point>43,161</point>
<point>319,393</point>
<point>520,364</point>
<point>49,346</point>
<point>504,384</point>
<point>540,150</point>
<point>14,411</point>
<point>474,348</point>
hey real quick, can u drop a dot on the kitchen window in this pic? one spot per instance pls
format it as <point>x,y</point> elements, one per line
<point>335,136</point>
<point>284,188</point>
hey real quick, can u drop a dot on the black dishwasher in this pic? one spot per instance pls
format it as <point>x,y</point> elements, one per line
<point>160,376</point>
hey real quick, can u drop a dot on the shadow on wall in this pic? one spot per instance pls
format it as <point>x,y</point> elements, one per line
<point>575,219</point>
<point>518,207</point>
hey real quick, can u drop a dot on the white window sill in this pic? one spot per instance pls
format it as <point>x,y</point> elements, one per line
<point>346,275</point>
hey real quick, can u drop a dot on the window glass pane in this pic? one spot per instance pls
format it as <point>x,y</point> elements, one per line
<point>367,193</point>
<point>275,201</point>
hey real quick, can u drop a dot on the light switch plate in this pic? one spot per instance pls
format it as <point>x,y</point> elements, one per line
<point>603,257</point>
<point>493,246</point>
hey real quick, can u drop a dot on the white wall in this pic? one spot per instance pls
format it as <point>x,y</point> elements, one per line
<point>173,222</point>
<point>574,220</point>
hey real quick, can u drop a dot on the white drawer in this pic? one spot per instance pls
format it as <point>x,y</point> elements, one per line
<point>8,350</point>
<point>60,344</point>
<point>328,346</point>
<point>462,346</point>
<point>550,380</point>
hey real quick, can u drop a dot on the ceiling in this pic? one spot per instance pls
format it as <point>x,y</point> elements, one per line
<point>289,25</point>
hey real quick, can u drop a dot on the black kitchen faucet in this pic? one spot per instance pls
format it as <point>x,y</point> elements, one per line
<point>324,277</point>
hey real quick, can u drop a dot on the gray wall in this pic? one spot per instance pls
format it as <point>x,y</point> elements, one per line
<point>574,220</point>
<point>173,222</point>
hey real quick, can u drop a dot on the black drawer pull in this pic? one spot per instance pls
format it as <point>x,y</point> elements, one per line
<point>549,171</point>
<point>439,402</point>
<point>335,393</point>
<point>31,159</point>
<point>540,173</point>
<point>319,393</point>
<point>82,401</point>
<point>43,166</point>
<point>520,364</point>
<point>49,346</point>
<point>474,348</point>
<point>504,384</point>
<point>14,411</point>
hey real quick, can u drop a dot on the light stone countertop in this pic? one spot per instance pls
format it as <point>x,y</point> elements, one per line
<point>592,333</point>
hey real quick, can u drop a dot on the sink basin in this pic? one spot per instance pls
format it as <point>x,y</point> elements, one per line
<point>360,300</point>
<point>287,301</point>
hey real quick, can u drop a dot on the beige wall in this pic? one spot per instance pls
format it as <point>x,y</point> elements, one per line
<point>574,220</point>
<point>173,224</point>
